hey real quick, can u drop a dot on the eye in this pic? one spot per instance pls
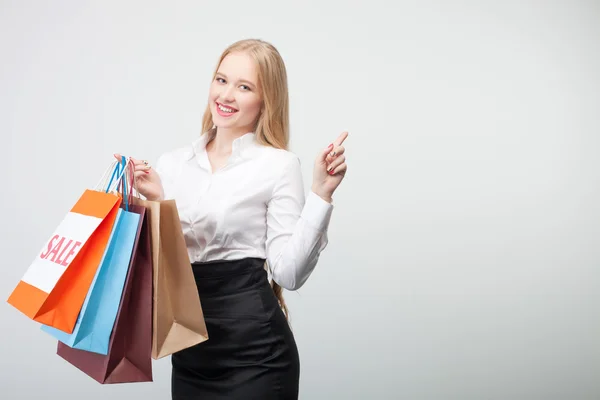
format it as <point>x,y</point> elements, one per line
<point>244,87</point>
<point>220,80</point>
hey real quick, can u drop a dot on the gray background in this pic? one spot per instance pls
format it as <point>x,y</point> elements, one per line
<point>464,246</point>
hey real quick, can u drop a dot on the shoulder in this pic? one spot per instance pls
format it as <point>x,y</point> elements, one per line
<point>279,158</point>
<point>282,168</point>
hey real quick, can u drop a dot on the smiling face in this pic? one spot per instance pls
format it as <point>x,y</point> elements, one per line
<point>235,95</point>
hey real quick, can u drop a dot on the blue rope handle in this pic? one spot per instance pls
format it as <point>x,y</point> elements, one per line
<point>119,171</point>
<point>124,177</point>
<point>115,170</point>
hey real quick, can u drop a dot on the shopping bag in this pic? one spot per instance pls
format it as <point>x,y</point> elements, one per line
<point>178,320</point>
<point>130,348</point>
<point>97,317</point>
<point>54,287</point>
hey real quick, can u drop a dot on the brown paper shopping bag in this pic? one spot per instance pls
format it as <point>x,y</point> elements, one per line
<point>178,320</point>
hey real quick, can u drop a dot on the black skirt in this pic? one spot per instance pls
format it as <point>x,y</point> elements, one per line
<point>251,352</point>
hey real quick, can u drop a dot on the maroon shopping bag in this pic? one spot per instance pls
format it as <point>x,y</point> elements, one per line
<point>130,348</point>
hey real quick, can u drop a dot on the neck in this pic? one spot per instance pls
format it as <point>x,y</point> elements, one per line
<point>223,140</point>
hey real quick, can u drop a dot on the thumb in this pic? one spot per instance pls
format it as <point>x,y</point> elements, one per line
<point>117,156</point>
<point>324,153</point>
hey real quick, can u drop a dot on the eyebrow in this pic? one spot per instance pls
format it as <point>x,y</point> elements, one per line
<point>241,80</point>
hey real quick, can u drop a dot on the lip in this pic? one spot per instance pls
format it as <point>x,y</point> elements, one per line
<point>224,114</point>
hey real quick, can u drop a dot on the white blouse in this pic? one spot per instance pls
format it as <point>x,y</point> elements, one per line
<point>255,206</point>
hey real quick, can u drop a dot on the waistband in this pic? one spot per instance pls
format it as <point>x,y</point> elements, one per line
<point>222,268</point>
<point>222,278</point>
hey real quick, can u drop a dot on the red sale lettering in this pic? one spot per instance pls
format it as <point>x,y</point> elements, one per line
<point>58,260</point>
<point>50,245</point>
<point>66,261</point>
<point>56,250</point>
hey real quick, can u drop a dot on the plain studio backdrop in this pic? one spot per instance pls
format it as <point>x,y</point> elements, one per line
<point>464,250</point>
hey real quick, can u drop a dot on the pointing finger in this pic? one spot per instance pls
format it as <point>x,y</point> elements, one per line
<point>340,139</point>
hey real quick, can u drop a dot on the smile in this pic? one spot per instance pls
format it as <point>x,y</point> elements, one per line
<point>225,111</point>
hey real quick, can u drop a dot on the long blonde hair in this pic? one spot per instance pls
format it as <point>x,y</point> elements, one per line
<point>272,127</point>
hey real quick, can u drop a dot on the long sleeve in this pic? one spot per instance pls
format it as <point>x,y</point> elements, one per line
<point>296,229</point>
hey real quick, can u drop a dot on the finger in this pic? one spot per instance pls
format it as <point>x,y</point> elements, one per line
<point>325,152</point>
<point>142,167</point>
<point>337,162</point>
<point>139,162</point>
<point>139,174</point>
<point>340,139</point>
<point>336,152</point>
<point>339,170</point>
<point>120,158</point>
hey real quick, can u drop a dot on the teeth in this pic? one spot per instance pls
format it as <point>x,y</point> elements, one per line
<point>225,109</point>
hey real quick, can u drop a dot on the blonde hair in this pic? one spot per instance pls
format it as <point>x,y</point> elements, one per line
<point>272,126</point>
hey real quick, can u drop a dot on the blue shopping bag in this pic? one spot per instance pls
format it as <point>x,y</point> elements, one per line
<point>99,311</point>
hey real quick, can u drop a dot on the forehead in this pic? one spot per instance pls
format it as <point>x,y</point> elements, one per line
<point>239,66</point>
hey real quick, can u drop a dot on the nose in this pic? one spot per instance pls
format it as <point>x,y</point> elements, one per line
<point>227,94</point>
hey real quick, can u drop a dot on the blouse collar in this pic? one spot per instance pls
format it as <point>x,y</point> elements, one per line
<point>239,148</point>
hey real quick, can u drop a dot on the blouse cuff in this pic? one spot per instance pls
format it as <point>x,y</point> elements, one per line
<point>317,212</point>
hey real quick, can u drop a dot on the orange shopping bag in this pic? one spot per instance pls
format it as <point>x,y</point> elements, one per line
<point>55,285</point>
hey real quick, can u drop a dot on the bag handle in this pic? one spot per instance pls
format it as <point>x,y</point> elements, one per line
<point>127,183</point>
<point>122,180</point>
<point>132,180</point>
<point>117,175</point>
<point>103,180</point>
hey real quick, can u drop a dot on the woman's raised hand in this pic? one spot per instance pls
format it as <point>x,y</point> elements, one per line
<point>147,181</point>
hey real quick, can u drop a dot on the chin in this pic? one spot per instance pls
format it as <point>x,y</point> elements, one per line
<point>224,124</point>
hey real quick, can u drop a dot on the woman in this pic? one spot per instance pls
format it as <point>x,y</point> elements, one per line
<point>241,201</point>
